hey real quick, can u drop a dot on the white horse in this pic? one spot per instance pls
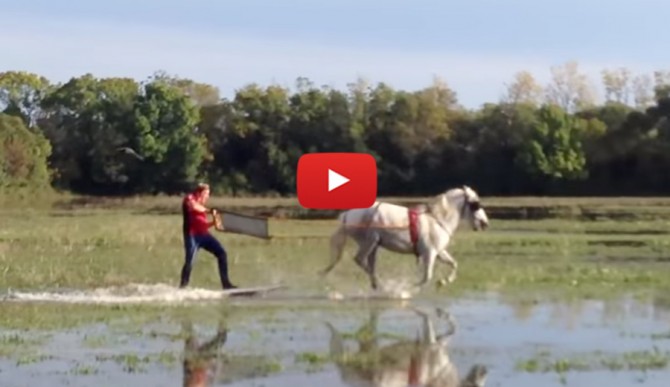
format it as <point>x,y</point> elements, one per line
<point>424,231</point>
<point>423,362</point>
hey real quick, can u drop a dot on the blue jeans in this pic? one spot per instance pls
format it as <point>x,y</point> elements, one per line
<point>192,243</point>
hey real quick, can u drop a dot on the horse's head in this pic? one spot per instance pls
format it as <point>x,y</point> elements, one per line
<point>476,377</point>
<point>471,208</point>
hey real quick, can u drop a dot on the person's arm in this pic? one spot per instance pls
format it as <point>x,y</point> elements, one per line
<point>194,205</point>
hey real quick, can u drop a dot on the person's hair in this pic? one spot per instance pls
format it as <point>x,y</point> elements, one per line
<point>202,187</point>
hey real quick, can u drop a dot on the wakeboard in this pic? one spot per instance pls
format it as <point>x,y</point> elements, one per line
<point>251,291</point>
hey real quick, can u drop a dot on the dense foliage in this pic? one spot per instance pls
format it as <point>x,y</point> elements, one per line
<point>551,139</point>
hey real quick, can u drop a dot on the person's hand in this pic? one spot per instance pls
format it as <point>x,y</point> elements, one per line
<point>217,222</point>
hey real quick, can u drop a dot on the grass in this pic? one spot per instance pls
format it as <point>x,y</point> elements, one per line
<point>288,207</point>
<point>19,344</point>
<point>641,360</point>
<point>93,247</point>
<point>117,242</point>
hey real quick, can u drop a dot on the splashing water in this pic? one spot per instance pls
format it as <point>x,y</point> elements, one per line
<point>390,289</point>
<point>399,289</point>
<point>127,294</point>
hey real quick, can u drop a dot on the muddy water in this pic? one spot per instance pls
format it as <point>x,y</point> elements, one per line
<point>282,340</point>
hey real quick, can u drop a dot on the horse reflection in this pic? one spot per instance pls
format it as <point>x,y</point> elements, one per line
<point>423,362</point>
<point>201,360</point>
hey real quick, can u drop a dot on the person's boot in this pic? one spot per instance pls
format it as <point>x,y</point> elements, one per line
<point>225,282</point>
<point>185,275</point>
<point>229,285</point>
<point>223,274</point>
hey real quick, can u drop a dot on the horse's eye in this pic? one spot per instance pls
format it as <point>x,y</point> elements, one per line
<point>474,206</point>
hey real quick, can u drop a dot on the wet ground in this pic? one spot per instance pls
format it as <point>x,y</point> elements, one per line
<point>285,340</point>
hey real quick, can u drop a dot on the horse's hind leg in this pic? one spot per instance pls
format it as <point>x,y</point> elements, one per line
<point>367,335</point>
<point>366,247</point>
<point>336,343</point>
<point>337,242</point>
<point>372,265</point>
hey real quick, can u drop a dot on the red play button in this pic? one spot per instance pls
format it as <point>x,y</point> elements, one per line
<point>337,181</point>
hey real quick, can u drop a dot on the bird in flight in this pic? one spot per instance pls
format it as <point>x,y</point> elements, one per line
<point>129,151</point>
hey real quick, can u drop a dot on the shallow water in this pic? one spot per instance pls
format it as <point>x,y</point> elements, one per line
<point>285,340</point>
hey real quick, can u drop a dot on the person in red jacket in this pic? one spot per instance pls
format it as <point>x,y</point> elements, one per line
<point>196,235</point>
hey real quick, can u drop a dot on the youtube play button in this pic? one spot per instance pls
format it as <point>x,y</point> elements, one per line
<point>337,180</point>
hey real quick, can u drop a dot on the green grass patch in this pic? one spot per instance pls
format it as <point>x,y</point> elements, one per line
<point>641,360</point>
<point>111,243</point>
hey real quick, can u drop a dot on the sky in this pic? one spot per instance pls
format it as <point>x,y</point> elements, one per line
<point>475,46</point>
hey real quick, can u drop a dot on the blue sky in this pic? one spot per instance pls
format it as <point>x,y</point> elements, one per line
<point>476,46</point>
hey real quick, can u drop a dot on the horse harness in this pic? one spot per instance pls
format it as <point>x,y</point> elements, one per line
<point>413,228</point>
<point>413,213</point>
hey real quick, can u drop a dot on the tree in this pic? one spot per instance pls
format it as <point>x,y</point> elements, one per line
<point>164,131</point>
<point>570,89</point>
<point>524,89</point>
<point>23,156</point>
<point>617,85</point>
<point>494,140</point>
<point>643,91</point>
<point>86,119</point>
<point>553,149</point>
<point>661,84</point>
<point>21,94</point>
<point>404,129</point>
<point>202,94</point>
<point>422,139</point>
<point>252,154</point>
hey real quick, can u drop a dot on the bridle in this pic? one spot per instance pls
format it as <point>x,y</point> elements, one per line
<point>473,205</point>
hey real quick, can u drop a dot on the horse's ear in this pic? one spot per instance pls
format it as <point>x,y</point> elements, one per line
<point>445,203</point>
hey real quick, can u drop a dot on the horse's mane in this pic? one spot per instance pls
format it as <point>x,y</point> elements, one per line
<point>437,208</point>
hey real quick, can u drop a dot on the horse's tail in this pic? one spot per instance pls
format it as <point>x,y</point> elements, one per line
<point>337,242</point>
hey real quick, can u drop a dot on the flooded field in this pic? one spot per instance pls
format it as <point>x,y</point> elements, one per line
<point>282,339</point>
<point>88,298</point>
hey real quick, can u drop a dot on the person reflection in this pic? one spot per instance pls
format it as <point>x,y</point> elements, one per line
<point>200,360</point>
<point>423,362</point>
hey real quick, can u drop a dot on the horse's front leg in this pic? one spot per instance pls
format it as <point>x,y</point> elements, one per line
<point>429,257</point>
<point>449,260</point>
<point>428,330</point>
<point>451,329</point>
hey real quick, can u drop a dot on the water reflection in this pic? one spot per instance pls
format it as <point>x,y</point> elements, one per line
<point>208,363</point>
<point>421,362</point>
<point>201,361</point>
<point>573,313</point>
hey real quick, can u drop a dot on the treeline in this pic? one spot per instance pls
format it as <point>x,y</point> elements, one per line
<point>117,136</point>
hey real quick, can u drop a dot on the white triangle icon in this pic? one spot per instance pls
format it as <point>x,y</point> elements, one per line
<point>335,180</point>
